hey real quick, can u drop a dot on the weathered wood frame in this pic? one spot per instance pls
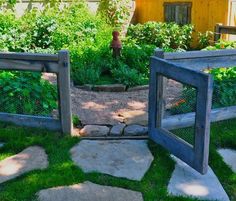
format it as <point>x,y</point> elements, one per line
<point>58,64</point>
<point>187,68</point>
<point>222,29</point>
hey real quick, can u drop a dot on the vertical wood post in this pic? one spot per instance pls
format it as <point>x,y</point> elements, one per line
<point>202,128</point>
<point>63,82</point>
<point>161,89</point>
<point>217,34</point>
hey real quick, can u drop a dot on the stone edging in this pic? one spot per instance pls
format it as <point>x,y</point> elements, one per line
<point>111,88</point>
<point>116,131</point>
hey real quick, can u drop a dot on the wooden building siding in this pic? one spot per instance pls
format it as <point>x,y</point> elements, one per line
<point>204,13</point>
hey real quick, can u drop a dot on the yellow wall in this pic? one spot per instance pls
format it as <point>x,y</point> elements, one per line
<point>205,13</point>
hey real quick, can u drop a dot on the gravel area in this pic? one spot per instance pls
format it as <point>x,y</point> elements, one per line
<point>105,108</point>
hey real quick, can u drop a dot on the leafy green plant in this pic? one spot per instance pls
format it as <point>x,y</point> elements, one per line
<point>224,87</point>
<point>221,44</point>
<point>75,120</point>
<point>26,93</point>
<point>127,76</point>
<point>205,39</point>
<point>163,35</point>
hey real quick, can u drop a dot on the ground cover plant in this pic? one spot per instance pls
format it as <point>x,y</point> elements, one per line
<point>62,171</point>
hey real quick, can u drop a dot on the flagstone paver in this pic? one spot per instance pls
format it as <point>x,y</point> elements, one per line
<point>29,159</point>
<point>88,191</point>
<point>120,158</point>
<point>117,130</point>
<point>94,130</point>
<point>135,130</point>
<point>229,157</point>
<point>188,183</point>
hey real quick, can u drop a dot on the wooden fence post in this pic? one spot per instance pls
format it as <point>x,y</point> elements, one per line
<point>161,89</point>
<point>217,34</point>
<point>63,81</point>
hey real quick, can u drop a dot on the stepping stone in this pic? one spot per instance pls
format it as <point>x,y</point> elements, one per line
<point>94,130</point>
<point>134,130</point>
<point>138,117</point>
<point>120,158</point>
<point>187,182</point>
<point>29,159</point>
<point>229,157</point>
<point>88,191</point>
<point>117,130</point>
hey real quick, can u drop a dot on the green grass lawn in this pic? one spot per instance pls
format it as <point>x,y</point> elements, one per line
<point>62,171</point>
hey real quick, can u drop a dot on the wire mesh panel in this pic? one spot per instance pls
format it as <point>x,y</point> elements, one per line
<point>181,99</point>
<point>29,93</point>
<point>35,90</point>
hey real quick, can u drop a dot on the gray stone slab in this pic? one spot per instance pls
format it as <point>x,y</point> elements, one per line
<point>29,159</point>
<point>135,130</point>
<point>120,158</point>
<point>229,157</point>
<point>94,130</point>
<point>88,191</point>
<point>186,182</point>
<point>110,88</point>
<point>117,130</point>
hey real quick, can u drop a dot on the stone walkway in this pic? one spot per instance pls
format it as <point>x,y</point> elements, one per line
<point>229,157</point>
<point>129,159</point>
<point>187,182</point>
<point>32,158</point>
<point>88,191</point>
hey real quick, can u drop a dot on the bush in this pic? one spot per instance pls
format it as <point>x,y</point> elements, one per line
<point>26,93</point>
<point>162,35</point>
<point>115,12</point>
<point>125,75</point>
<point>205,39</point>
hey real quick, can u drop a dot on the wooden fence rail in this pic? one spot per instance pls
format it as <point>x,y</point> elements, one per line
<point>221,29</point>
<point>58,64</point>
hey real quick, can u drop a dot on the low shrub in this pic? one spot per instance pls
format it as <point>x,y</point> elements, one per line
<point>205,39</point>
<point>115,12</point>
<point>168,36</point>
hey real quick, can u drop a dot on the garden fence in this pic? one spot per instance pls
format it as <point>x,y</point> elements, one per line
<point>222,29</point>
<point>188,90</point>
<point>35,90</point>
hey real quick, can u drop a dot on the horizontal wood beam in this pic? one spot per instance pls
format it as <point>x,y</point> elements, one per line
<point>198,54</point>
<point>200,64</point>
<point>23,65</point>
<point>31,121</point>
<point>188,119</point>
<point>29,56</point>
<point>200,60</point>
